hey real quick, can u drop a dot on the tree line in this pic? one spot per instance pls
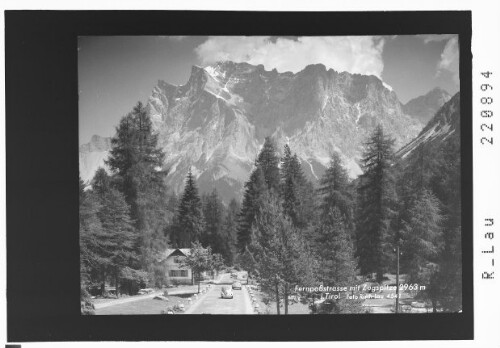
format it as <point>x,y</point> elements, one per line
<point>287,230</point>
<point>129,217</point>
<point>344,231</point>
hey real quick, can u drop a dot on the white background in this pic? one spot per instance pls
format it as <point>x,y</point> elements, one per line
<point>485,49</point>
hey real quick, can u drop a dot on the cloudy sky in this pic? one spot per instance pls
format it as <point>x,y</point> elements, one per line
<point>116,72</point>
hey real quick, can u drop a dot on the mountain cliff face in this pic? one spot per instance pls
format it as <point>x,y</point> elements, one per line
<point>444,126</point>
<point>92,156</point>
<point>217,122</point>
<point>423,108</point>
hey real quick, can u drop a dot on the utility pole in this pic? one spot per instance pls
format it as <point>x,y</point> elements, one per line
<point>397,280</point>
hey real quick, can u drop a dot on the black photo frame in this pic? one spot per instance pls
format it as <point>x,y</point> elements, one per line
<point>42,177</point>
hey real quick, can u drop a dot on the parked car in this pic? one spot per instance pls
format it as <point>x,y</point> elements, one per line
<point>226,292</point>
<point>236,286</point>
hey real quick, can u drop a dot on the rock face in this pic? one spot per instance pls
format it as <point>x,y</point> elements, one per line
<point>443,126</point>
<point>423,108</point>
<point>92,156</point>
<point>217,122</point>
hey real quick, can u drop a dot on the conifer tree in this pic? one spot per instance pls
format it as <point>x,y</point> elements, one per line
<point>335,191</point>
<point>281,253</point>
<point>247,260</point>
<point>136,162</point>
<point>268,161</point>
<point>333,238</point>
<point>335,250</point>
<point>214,236</point>
<point>296,191</point>
<point>135,156</point>
<point>90,230</point>
<point>448,187</point>
<point>376,205</point>
<point>255,188</point>
<point>435,168</point>
<point>265,177</point>
<point>449,274</point>
<point>119,238</point>
<point>337,265</point>
<point>421,238</point>
<point>288,185</point>
<point>189,222</point>
<point>230,228</point>
<point>306,209</point>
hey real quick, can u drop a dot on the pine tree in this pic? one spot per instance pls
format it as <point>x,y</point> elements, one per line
<point>376,205</point>
<point>297,193</point>
<point>247,259</point>
<point>281,253</point>
<point>333,237</point>
<point>335,191</point>
<point>136,162</point>
<point>230,228</point>
<point>265,177</point>
<point>448,187</point>
<point>255,188</point>
<point>189,223</point>
<point>214,236</point>
<point>335,250</point>
<point>213,211</point>
<point>135,156</point>
<point>119,237</point>
<point>90,230</point>
<point>421,238</point>
<point>268,161</point>
<point>288,185</point>
<point>435,168</point>
<point>449,274</point>
<point>153,217</point>
<point>337,265</point>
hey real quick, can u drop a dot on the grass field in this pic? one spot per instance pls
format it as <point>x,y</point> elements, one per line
<point>145,306</point>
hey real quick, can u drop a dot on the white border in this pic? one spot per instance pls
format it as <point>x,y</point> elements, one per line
<point>485,48</point>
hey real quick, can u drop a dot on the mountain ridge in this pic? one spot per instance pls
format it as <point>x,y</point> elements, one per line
<point>217,121</point>
<point>424,107</point>
<point>444,124</point>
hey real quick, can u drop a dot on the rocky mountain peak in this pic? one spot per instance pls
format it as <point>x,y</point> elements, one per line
<point>444,125</point>
<point>424,107</point>
<point>92,156</point>
<point>216,122</point>
<point>447,116</point>
<point>97,143</point>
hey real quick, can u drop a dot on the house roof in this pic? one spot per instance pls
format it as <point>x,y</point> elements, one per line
<point>176,252</point>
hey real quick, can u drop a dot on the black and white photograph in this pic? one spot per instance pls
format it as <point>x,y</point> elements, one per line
<point>250,173</point>
<point>269,175</point>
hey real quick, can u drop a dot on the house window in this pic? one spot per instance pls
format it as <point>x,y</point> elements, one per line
<point>178,273</point>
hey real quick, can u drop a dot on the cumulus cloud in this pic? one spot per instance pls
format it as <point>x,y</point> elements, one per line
<point>355,54</point>
<point>436,37</point>
<point>450,59</point>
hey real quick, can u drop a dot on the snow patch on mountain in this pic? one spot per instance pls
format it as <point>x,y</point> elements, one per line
<point>386,85</point>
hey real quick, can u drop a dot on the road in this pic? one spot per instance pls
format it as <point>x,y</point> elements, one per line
<point>212,303</point>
